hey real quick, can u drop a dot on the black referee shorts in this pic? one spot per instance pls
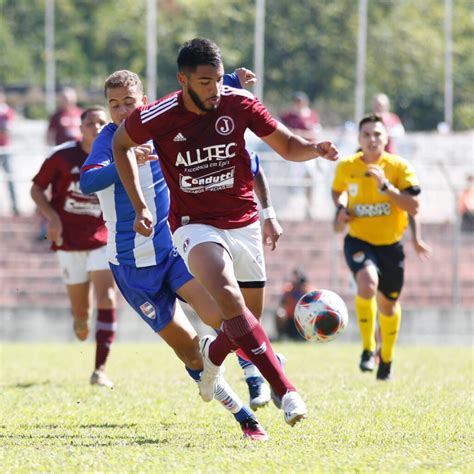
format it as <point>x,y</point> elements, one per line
<point>388,259</point>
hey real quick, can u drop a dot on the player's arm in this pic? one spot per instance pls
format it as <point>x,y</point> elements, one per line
<point>246,76</point>
<point>403,199</point>
<point>241,77</point>
<point>55,227</point>
<point>294,148</point>
<point>406,199</point>
<point>272,229</point>
<point>422,249</point>
<point>98,171</point>
<point>342,216</point>
<point>127,169</point>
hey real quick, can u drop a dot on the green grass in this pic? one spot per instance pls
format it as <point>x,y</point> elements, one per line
<point>52,420</point>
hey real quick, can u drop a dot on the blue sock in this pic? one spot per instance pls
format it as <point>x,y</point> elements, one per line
<point>243,414</point>
<point>244,363</point>
<point>195,374</point>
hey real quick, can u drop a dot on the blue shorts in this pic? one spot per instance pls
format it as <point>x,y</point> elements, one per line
<point>151,291</point>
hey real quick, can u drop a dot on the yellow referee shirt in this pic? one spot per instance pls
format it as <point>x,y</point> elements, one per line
<point>376,219</point>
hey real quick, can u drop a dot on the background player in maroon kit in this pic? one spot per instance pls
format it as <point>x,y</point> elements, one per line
<point>199,136</point>
<point>7,115</point>
<point>64,124</point>
<point>78,235</point>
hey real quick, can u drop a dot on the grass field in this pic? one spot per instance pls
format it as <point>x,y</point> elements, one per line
<point>154,422</point>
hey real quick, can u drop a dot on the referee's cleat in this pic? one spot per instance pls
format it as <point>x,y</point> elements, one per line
<point>259,392</point>
<point>210,373</point>
<point>384,371</point>
<point>367,361</point>
<point>253,430</point>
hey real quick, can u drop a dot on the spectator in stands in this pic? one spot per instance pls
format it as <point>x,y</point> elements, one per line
<point>64,125</point>
<point>7,115</point>
<point>374,191</point>
<point>466,205</point>
<point>392,122</point>
<point>303,121</point>
<point>285,313</point>
<point>300,118</point>
<point>78,235</point>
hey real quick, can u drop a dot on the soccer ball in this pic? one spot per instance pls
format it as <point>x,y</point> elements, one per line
<point>321,315</point>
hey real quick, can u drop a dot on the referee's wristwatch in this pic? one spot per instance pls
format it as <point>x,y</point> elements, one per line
<point>385,185</point>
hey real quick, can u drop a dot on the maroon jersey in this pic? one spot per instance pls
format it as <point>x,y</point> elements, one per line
<point>80,214</point>
<point>66,125</point>
<point>7,114</point>
<point>203,157</point>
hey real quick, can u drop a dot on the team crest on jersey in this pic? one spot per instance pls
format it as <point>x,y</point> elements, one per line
<point>224,125</point>
<point>353,189</point>
<point>148,310</point>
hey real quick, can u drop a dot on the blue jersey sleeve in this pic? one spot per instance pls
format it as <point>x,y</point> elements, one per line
<point>254,163</point>
<point>98,171</point>
<point>232,80</point>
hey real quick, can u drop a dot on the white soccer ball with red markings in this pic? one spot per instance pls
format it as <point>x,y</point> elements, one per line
<point>321,315</point>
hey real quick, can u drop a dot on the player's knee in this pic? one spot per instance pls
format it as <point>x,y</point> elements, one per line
<point>367,282</point>
<point>387,306</point>
<point>230,302</point>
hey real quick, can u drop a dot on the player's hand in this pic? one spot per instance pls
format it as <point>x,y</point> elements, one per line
<point>143,223</point>
<point>377,173</point>
<point>272,231</point>
<point>422,249</point>
<point>343,216</point>
<point>143,153</point>
<point>328,151</point>
<point>246,76</point>
<point>55,230</point>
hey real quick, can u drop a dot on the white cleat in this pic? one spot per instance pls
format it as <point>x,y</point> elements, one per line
<point>293,407</point>
<point>259,392</point>
<point>99,377</point>
<point>210,373</point>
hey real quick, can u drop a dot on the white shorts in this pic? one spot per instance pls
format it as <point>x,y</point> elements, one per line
<point>76,265</point>
<point>244,245</point>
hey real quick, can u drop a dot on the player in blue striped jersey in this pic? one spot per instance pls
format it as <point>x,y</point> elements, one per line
<point>148,271</point>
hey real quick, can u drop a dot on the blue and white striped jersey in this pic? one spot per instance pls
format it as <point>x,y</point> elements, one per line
<point>125,246</point>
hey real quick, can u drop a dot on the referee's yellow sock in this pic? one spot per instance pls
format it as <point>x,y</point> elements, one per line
<point>389,329</point>
<point>366,310</point>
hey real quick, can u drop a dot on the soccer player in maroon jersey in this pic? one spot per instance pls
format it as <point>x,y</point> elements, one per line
<point>78,235</point>
<point>199,136</point>
<point>64,124</point>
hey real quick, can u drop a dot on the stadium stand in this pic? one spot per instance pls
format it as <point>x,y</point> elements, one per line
<point>30,276</point>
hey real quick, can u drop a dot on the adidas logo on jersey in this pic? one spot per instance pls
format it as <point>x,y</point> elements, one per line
<point>179,138</point>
